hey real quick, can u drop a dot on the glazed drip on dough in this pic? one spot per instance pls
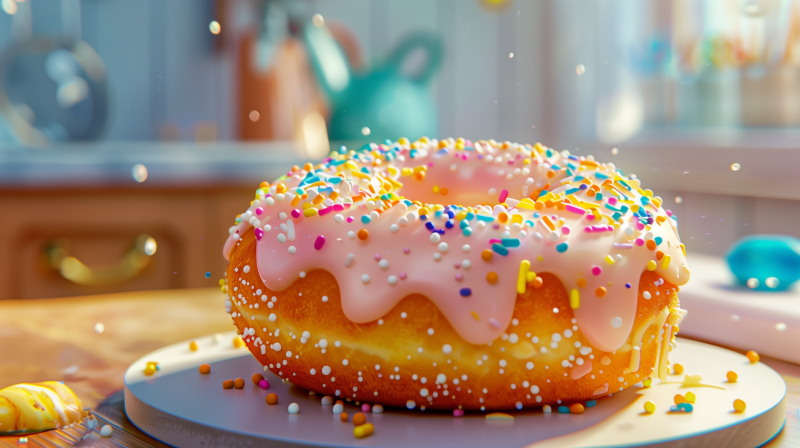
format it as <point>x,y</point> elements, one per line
<point>535,210</point>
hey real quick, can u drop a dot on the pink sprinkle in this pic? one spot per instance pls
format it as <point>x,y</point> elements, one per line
<point>574,209</point>
<point>610,228</point>
<point>510,162</point>
<point>565,230</point>
<point>468,143</point>
<point>350,219</point>
<point>669,213</point>
<point>377,257</point>
<point>590,217</point>
<point>319,242</point>
<point>639,226</point>
<point>338,207</point>
<point>259,211</point>
<point>457,265</point>
<point>296,213</point>
<point>494,322</point>
<point>259,233</point>
<point>588,229</point>
<point>264,384</point>
<point>406,250</point>
<point>430,164</point>
<point>639,242</point>
<point>495,240</point>
<point>597,270</point>
<point>503,196</point>
<point>459,277</point>
<point>365,408</point>
<point>612,200</point>
<point>325,211</point>
<point>458,413</point>
<point>403,276</point>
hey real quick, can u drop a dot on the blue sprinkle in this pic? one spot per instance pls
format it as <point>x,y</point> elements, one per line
<point>500,249</point>
<point>600,175</point>
<point>334,180</point>
<point>364,170</point>
<point>412,153</point>
<point>451,214</point>
<point>439,231</point>
<point>449,224</point>
<point>208,275</point>
<point>591,403</point>
<point>465,292</point>
<point>423,217</point>
<point>342,149</point>
<point>467,231</point>
<point>561,248</point>
<point>387,141</point>
<point>485,218</point>
<point>510,242</point>
<point>429,225</point>
<point>471,216</point>
<point>437,213</point>
<point>598,196</point>
<point>549,153</point>
<point>463,224</point>
<point>584,186</point>
<point>628,285</point>
<point>366,219</point>
<point>563,410</point>
<point>658,240</point>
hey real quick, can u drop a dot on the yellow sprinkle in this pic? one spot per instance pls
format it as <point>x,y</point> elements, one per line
<point>531,276</point>
<point>539,258</point>
<point>649,407</point>
<point>238,342</point>
<point>402,140</point>
<point>690,397</point>
<point>499,417</point>
<point>732,376</point>
<point>609,259</point>
<point>517,218</point>
<point>363,430</point>
<point>647,382</point>
<point>522,278</point>
<point>665,261</point>
<point>651,265</point>
<point>295,201</point>
<point>475,315</point>
<point>435,189</point>
<point>739,405</point>
<point>221,282</point>
<point>678,369</point>
<point>310,212</point>
<point>574,299</point>
<point>193,346</point>
<point>150,369</point>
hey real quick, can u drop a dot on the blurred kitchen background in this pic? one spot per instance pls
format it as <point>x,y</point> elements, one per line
<point>133,132</point>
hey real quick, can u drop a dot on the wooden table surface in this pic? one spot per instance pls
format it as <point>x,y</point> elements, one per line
<point>55,339</point>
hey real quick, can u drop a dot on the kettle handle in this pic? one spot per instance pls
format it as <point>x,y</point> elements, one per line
<point>430,42</point>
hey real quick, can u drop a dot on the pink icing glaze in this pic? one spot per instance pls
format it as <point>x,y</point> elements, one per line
<point>400,257</point>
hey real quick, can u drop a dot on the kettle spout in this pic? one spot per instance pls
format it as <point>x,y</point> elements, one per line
<point>329,61</point>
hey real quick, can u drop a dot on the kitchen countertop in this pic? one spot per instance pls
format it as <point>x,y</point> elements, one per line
<point>55,339</point>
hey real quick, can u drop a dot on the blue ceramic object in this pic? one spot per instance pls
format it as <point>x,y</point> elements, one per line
<point>765,262</point>
<point>386,101</point>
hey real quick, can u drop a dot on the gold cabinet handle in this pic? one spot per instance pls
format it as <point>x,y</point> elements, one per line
<point>131,264</point>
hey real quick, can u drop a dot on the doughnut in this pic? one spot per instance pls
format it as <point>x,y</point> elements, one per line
<point>38,407</point>
<point>454,274</point>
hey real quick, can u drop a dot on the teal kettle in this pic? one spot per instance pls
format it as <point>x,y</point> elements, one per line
<point>389,103</point>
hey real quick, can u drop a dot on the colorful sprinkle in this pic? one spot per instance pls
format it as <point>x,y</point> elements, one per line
<point>465,292</point>
<point>319,242</point>
<point>561,248</point>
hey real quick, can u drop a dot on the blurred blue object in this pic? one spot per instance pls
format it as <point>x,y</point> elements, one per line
<point>384,100</point>
<point>765,262</point>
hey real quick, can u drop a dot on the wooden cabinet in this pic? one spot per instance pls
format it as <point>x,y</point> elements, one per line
<point>99,227</point>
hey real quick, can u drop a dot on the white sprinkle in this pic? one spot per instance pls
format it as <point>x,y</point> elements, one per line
<point>384,264</point>
<point>338,218</point>
<point>447,349</point>
<point>264,298</point>
<point>294,408</point>
<point>351,235</point>
<point>435,238</point>
<point>272,317</point>
<point>290,232</point>
<point>646,295</point>
<point>302,274</point>
<point>276,346</point>
<point>492,191</point>
<point>280,196</point>
<point>349,260</point>
<point>292,250</point>
<point>282,216</point>
<point>377,367</point>
<point>338,408</point>
<point>503,363</point>
<point>344,362</point>
<point>466,264</point>
<point>392,280</point>
<point>465,248</point>
<point>410,404</point>
<point>246,268</point>
<point>324,298</point>
<point>430,331</point>
<point>281,238</point>
<point>437,256</point>
<point>377,409</point>
<point>529,365</point>
<point>313,371</point>
<point>424,392</point>
<point>326,370</point>
<point>106,431</point>
<point>616,322</point>
<point>337,344</point>
<point>513,338</point>
<point>403,315</point>
<point>443,247</point>
<point>394,228</point>
<point>267,227</point>
<point>534,389</point>
<point>441,378</point>
<point>365,278</point>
